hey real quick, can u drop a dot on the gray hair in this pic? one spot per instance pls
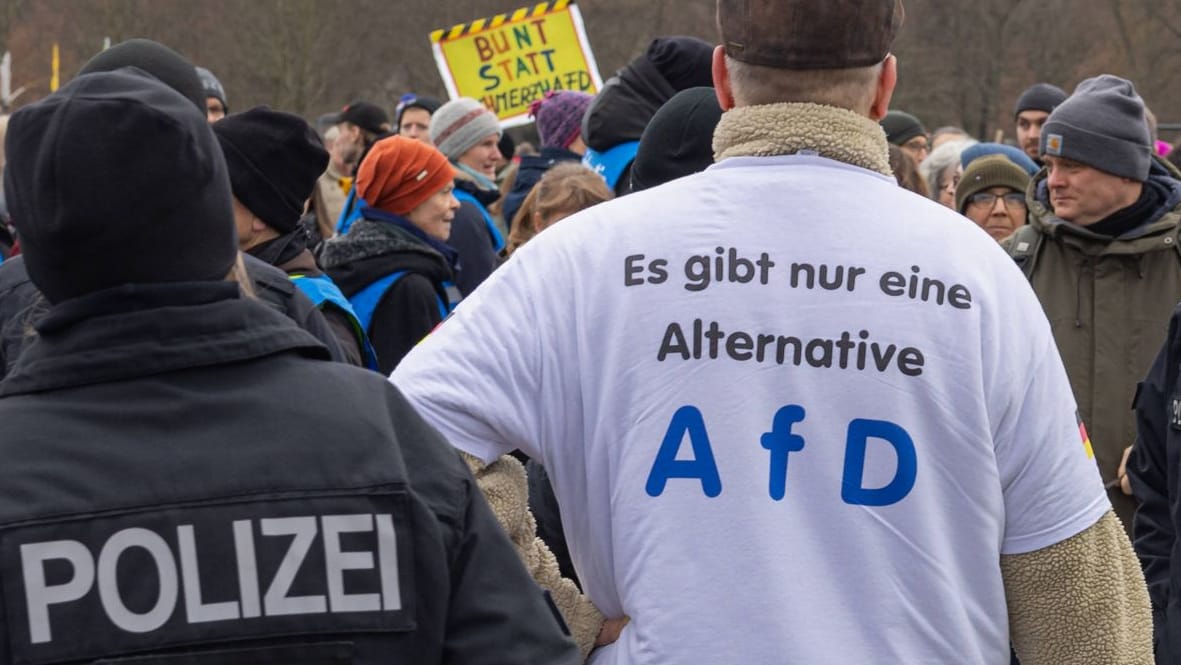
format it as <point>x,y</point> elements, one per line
<point>940,158</point>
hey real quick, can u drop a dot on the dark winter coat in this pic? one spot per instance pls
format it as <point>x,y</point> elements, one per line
<point>409,310</point>
<point>622,109</point>
<point>289,253</point>
<point>154,429</point>
<point>471,238</point>
<point>1108,301</point>
<point>529,172</point>
<point>1154,471</point>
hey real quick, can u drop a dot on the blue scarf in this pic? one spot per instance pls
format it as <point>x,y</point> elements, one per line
<point>397,221</point>
<point>481,179</point>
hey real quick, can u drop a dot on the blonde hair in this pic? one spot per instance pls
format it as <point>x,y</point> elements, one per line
<point>238,274</point>
<point>564,189</point>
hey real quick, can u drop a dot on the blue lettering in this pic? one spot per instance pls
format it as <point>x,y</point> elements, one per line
<point>487,75</point>
<point>860,431</point>
<point>687,420</point>
<point>780,441</point>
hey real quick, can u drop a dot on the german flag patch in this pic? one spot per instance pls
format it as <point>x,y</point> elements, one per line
<point>1082,430</point>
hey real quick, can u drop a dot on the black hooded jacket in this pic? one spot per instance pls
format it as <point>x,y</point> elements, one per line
<point>156,454</point>
<point>622,109</point>
<point>471,238</point>
<point>290,254</point>
<point>628,100</point>
<point>409,310</point>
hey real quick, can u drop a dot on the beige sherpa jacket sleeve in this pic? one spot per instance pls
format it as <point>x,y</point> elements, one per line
<point>1082,601</point>
<point>506,488</point>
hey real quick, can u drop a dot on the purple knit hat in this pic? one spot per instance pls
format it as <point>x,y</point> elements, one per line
<point>559,117</point>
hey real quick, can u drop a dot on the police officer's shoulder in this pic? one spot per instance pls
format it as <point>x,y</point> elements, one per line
<point>379,411</point>
<point>449,485</point>
<point>13,274</point>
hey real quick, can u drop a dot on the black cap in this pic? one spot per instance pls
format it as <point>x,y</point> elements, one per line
<point>809,34</point>
<point>679,139</point>
<point>274,159</point>
<point>117,179</point>
<point>1039,97</point>
<point>901,127</point>
<point>369,117</point>
<point>169,67</point>
<point>428,104</point>
<point>213,87</point>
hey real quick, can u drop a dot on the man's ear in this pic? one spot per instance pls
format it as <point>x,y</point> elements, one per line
<point>885,88</point>
<point>722,79</point>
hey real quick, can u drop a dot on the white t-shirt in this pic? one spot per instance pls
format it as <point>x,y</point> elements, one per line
<point>927,426</point>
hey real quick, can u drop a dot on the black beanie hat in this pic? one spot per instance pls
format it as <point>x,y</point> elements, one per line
<point>168,66</point>
<point>685,62</point>
<point>274,159</point>
<point>1039,97</point>
<point>901,127</point>
<point>428,104</point>
<point>213,87</point>
<point>507,147</point>
<point>679,139</point>
<point>117,179</point>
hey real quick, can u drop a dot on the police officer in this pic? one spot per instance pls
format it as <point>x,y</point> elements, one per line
<point>21,304</point>
<point>163,493</point>
<point>1152,474</point>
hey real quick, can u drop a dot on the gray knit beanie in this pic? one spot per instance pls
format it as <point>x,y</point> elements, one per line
<point>1102,125</point>
<point>460,124</point>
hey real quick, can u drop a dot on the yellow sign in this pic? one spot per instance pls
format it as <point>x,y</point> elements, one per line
<point>510,60</point>
<point>55,66</point>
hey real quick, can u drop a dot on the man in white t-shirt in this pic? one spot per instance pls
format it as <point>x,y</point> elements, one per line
<point>793,413</point>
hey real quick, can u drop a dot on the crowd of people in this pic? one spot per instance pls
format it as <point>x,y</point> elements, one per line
<point>781,377</point>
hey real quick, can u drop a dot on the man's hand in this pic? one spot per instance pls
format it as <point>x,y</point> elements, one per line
<point>1124,485</point>
<point>610,631</point>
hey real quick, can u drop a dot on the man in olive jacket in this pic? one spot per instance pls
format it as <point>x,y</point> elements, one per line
<point>1101,253</point>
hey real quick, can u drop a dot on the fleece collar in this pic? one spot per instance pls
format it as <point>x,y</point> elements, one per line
<point>790,128</point>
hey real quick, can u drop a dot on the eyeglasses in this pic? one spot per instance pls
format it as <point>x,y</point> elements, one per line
<point>917,144</point>
<point>988,199</point>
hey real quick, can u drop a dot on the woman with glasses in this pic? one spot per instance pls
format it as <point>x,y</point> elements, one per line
<point>991,192</point>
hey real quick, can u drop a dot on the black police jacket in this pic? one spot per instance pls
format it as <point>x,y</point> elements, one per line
<point>1153,471</point>
<point>21,304</point>
<point>186,480</point>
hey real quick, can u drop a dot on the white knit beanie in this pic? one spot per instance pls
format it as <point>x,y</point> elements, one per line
<point>460,124</point>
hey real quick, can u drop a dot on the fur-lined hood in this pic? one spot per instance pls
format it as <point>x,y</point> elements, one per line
<point>798,128</point>
<point>373,249</point>
<point>367,238</point>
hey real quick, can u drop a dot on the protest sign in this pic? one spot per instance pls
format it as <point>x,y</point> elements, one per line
<point>510,60</point>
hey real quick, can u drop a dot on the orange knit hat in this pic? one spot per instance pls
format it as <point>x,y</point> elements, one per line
<point>399,174</point>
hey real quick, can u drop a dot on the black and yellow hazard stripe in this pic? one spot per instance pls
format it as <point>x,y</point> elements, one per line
<point>479,25</point>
